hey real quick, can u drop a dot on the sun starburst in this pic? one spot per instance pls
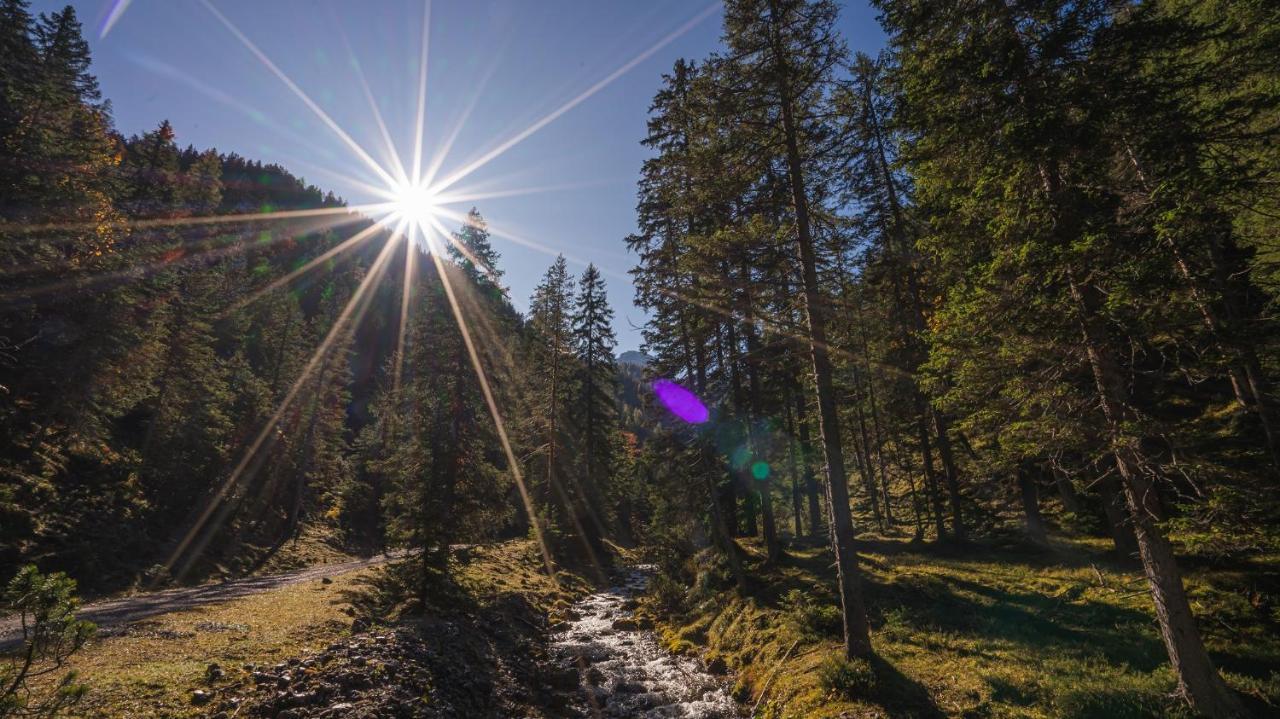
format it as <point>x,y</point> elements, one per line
<point>413,203</point>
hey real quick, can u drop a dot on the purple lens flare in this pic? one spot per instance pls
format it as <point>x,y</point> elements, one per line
<point>681,402</point>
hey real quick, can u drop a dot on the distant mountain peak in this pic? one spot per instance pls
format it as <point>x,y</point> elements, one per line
<point>635,357</point>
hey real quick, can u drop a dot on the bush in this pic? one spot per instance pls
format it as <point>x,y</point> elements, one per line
<point>848,678</point>
<point>812,618</point>
<point>51,633</point>
<point>667,593</point>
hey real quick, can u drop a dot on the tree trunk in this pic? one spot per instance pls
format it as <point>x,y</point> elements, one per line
<point>1198,680</point>
<point>865,469</point>
<point>720,534</point>
<point>806,459</point>
<point>930,478</point>
<point>857,631</point>
<point>949,471</point>
<point>1067,491</point>
<point>773,550</point>
<point>1031,508</point>
<point>1113,504</point>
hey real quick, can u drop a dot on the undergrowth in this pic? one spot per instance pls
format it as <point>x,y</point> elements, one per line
<point>973,630</point>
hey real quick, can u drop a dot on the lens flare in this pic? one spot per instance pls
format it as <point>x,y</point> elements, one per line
<point>681,402</point>
<point>415,203</point>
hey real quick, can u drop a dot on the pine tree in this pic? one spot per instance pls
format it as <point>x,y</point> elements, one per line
<point>784,53</point>
<point>593,344</point>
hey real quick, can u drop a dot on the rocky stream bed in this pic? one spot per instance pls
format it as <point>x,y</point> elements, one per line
<point>602,663</point>
<point>624,672</point>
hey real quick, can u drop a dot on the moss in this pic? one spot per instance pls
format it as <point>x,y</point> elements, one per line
<point>974,631</point>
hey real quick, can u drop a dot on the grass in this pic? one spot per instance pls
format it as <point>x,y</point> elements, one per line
<point>149,668</point>
<point>974,631</point>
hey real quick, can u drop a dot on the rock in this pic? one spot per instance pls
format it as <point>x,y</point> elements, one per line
<point>625,625</point>
<point>200,696</point>
<point>326,580</point>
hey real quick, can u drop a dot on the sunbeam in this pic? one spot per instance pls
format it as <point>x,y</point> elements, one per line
<point>419,125</point>
<point>512,462</point>
<point>353,310</point>
<point>9,228</point>
<point>306,99</point>
<point>171,258</point>
<point>347,244</point>
<point>392,153</point>
<point>406,300</point>
<point>550,117</point>
<point>438,157</point>
<point>465,195</point>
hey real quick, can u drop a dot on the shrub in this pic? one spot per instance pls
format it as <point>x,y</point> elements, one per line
<point>667,593</point>
<point>46,605</point>
<point>848,678</point>
<point>812,618</point>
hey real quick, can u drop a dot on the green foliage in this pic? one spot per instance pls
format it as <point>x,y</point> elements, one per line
<point>847,677</point>
<point>46,605</point>
<point>814,619</point>
<point>138,362</point>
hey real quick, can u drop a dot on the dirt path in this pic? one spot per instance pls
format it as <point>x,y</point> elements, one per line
<point>130,609</point>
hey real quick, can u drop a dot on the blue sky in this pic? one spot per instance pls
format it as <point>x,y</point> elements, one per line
<point>512,62</point>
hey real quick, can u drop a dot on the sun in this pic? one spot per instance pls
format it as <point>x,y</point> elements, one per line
<point>414,203</point>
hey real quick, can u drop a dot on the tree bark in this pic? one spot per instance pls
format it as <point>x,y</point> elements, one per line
<point>1198,680</point>
<point>806,459</point>
<point>857,631</point>
<point>1030,495</point>
<point>1067,491</point>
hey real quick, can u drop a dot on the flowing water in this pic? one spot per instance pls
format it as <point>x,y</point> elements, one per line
<point>623,672</point>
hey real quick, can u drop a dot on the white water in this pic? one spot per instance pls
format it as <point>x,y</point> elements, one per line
<point>624,673</point>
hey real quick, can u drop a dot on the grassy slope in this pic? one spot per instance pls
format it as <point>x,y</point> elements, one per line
<point>150,668</point>
<point>981,631</point>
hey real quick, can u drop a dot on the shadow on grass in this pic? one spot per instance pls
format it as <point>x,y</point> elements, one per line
<point>949,604</point>
<point>900,695</point>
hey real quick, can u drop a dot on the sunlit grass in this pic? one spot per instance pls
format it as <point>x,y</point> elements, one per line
<point>151,667</point>
<point>977,631</point>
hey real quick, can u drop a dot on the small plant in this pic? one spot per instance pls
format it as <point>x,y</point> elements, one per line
<point>46,606</point>
<point>847,677</point>
<point>667,593</point>
<point>812,619</point>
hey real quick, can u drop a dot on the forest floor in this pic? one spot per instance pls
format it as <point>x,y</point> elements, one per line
<point>978,630</point>
<point>209,658</point>
<point>110,614</point>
